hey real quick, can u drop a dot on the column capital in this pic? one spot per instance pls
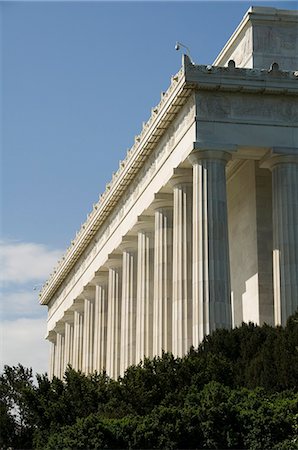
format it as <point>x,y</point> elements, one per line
<point>212,151</point>
<point>59,327</point>
<point>52,335</point>
<point>114,261</point>
<point>100,278</point>
<point>129,243</point>
<point>162,200</point>
<point>279,155</point>
<point>68,316</point>
<point>181,176</point>
<point>144,224</point>
<point>197,156</point>
<point>78,305</point>
<point>88,293</point>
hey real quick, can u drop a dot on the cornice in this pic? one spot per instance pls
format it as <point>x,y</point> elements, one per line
<point>189,79</point>
<point>233,79</point>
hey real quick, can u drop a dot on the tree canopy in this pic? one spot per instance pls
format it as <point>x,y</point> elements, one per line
<point>238,390</point>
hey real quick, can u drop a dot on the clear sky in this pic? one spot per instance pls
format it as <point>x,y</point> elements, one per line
<point>77,81</point>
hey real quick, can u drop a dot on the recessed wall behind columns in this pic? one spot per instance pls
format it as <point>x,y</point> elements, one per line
<point>250,240</point>
<point>263,183</point>
<point>243,243</point>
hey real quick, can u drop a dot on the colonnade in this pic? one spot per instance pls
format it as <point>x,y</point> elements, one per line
<point>168,284</point>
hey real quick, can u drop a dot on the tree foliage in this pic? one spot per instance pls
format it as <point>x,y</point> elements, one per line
<point>239,389</point>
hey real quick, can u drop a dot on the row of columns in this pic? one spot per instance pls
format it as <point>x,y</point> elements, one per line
<point>169,285</point>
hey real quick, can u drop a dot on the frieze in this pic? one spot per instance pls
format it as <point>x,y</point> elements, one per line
<point>271,109</point>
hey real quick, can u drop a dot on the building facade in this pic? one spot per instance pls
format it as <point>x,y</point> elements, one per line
<point>198,228</point>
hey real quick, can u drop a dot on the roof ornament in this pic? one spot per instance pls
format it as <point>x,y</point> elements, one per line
<point>37,287</point>
<point>274,67</point>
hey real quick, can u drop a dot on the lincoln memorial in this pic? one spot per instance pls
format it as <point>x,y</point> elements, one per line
<point>198,227</point>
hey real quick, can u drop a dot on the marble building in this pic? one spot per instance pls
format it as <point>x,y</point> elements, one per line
<point>198,228</point>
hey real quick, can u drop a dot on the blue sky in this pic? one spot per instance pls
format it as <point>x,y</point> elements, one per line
<point>78,80</point>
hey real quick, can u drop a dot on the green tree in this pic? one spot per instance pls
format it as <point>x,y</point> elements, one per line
<point>237,390</point>
<point>16,427</point>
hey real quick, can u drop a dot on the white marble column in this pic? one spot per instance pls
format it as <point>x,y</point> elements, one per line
<point>68,351</point>
<point>78,334</point>
<point>145,273</point>
<point>182,262</point>
<point>88,329</point>
<point>100,321</point>
<point>129,299</point>
<point>163,256</point>
<point>59,353</point>
<point>52,360</point>
<point>285,233</point>
<point>114,264</point>
<point>211,267</point>
<point>57,365</point>
<point>52,339</point>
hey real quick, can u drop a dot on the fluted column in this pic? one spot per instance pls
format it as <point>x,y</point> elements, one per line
<point>211,267</point>
<point>62,369</point>
<point>78,334</point>
<point>59,354</point>
<point>182,262</point>
<point>129,299</point>
<point>145,272</point>
<point>285,233</point>
<point>68,351</point>
<point>57,366</point>
<point>114,264</point>
<point>52,360</point>
<point>52,339</point>
<point>163,254</point>
<point>100,321</point>
<point>88,329</point>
